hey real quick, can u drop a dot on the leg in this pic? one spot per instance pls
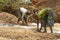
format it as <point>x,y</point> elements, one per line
<point>41,26</point>
<point>38,26</point>
<point>45,29</point>
<point>44,25</point>
<point>19,15</point>
<point>51,29</point>
<point>18,20</point>
<point>23,14</point>
<point>26,20</point>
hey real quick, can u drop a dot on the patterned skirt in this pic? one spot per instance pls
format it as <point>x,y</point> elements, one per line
<point>48,21</point>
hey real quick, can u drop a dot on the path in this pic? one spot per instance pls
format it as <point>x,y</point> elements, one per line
<point>56,28</point>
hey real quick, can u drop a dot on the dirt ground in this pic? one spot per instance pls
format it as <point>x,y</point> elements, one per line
<point>21,33</point>
<point>18,33</point>
<point>8,18</point>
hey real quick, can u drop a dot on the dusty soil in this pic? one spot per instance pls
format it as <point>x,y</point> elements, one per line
<point>8,18</point>
<point>17,33</point>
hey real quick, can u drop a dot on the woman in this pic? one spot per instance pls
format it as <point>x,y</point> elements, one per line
<point>23,15</point>
<point>43,16</point>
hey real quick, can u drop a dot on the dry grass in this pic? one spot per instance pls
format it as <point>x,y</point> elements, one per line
<point>8,18</point>
<point>16,33</point>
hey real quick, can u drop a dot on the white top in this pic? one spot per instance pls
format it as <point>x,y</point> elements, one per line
<point>23,10</point>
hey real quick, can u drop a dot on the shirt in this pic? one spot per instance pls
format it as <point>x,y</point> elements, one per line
<point>23,11</point>
<point>42,13</point>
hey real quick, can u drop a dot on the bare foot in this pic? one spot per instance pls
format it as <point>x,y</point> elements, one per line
<point>38,30</point>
